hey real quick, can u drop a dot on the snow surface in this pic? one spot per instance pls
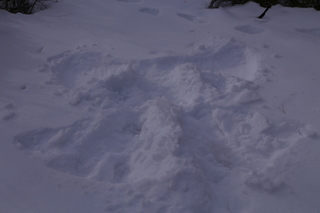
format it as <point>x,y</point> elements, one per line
<point>159,106</point>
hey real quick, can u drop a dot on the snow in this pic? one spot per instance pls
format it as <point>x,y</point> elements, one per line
<point>148,106</point>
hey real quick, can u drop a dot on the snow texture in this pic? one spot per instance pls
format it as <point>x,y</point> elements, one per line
<point>140,114</point>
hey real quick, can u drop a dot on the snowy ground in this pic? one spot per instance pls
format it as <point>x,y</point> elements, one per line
<point>159,106</point>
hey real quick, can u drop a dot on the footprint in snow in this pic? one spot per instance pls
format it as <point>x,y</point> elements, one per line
<point>190,17</point>
<point>8,116</point>
<point>130,1</point>
<point>249,29</point>
<point>9,106</point>
<point>23,87</point>
<point>10,113</point>
<point>150,11</point>
<point>314,31</point>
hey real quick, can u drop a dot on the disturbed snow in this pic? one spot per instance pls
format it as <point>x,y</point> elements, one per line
<point>164,128</point>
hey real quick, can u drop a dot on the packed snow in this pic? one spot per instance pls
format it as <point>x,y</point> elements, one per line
<point>159,106</point>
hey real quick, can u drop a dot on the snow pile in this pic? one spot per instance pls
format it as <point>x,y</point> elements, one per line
<point>171,132</point>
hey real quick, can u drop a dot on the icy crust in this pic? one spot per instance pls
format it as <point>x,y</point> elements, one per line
<point>173,131</point>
